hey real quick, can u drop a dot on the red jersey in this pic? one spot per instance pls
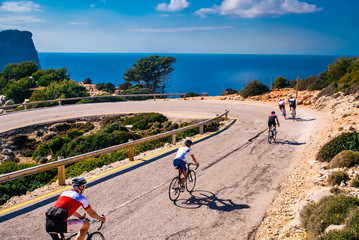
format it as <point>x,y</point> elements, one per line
<point>71,201</point>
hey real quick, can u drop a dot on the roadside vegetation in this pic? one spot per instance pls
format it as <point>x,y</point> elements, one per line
<point>340,210</point>
<point>71,139</point>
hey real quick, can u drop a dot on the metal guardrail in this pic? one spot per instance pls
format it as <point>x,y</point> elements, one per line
<point>60,164</point>
<point>94,97</point>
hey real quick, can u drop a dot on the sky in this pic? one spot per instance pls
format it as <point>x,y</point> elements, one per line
<point>316,27</point>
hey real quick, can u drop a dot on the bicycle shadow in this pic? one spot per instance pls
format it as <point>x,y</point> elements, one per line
<point>201,198</point>
<point>290,143</point>
<point>298,119</point>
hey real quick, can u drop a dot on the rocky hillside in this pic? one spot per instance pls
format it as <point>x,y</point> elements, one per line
<point>17,47</point>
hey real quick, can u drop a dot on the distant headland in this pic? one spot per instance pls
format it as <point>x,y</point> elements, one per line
<point>17,47</point>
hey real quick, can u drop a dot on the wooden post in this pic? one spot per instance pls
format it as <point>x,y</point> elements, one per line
<point>61,175</point>
<point>25,106</point>
<point>201,129</point>
<point>226,116</point>
<point>174,139</point>
<point>154,98</point>
<point>131,151</point>
<point>119,125</point>
<point>59,103</point>
<point>296,95</point>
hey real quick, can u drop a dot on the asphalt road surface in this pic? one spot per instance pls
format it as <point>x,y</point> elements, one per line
<point>239,175</point>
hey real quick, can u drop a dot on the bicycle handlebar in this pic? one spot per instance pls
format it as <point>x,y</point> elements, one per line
<point>189,164</point>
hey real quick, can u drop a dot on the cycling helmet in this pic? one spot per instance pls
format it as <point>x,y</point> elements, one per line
<point>78,182</point>
<point>273,112</point>
<point>280,99</point>
<point>188,143</point>
<point>291,97</point>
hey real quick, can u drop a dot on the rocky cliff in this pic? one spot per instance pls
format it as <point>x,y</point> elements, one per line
<point>16,47</point>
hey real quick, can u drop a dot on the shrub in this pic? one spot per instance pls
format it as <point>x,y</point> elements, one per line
<point>46,77</point>
<point>355,182</point>
<point>254,88</point>
<point>42,150</point>
<point>346,158</point>
<point>87,81</point>
<point>141,121</point>
<point>337,178</point>
<point>281,82</point>
<point>137,90</point>
<point>329,90</point>
<point>107,87</point>
<point>97,100</point>
<point>330,210</point>
<point>191,94</point>
<point>346,141</point>
<point>19,70</point>
<point>230,91</point>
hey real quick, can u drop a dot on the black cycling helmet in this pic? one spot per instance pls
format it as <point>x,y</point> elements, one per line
<point>78,182</point>
<point>273,112</point>
<point>188,143</point>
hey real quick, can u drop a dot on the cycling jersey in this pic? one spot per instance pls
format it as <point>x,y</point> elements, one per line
<point>182,152</point>
<point>272,120</point>
<point>281,103</point>
<point>71,201</point>
<point>292,102</point>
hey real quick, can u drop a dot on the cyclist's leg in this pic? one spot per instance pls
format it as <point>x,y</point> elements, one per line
<point>78,225</point>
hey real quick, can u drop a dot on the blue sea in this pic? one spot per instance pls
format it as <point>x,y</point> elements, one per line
<point>210,73</point>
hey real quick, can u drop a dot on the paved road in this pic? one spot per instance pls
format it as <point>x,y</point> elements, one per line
<point>237,180</point>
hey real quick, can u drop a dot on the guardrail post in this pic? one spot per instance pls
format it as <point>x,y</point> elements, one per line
<point>25,107</point>
<point>201,129</point>
<point>61,175</point>
<point>59,103</point>
<point>174,139</point>
<point>154,98</point>
<point>226,116</point>
<point>131,151</point>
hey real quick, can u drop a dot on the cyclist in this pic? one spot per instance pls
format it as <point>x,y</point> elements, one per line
<point>292,104</point>
<point>66,206</point>
<point>180,160</point>
<point>272,121</point>
<point>281,104</point>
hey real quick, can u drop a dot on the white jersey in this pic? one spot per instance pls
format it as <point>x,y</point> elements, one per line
<point>281,102</point>
<point>182,152</point>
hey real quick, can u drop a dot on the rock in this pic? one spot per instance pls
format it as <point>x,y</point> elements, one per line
<point>9,102</point>
<point>17,47</point>
<point>7,151</point>
<point>333,228</point>
<point>2,99</point>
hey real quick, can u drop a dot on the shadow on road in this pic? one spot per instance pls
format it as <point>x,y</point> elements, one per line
<point>201,198</point>
<point>290,143</point>
<point>298,119</point>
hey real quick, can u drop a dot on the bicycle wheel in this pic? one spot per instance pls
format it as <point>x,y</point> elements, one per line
<point>174,189</point>
<point>191,180</point>
<point>97,236</point>
<point>270,137</point>
<point>274,135</point>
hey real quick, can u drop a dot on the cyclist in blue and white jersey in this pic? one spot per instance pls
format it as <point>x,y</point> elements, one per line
<point>180,159</point>
<point>292,104</point>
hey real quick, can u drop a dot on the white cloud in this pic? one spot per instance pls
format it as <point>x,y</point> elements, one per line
<point>78,23</point>
<point>173,6</point>
<point>181,29</point>
<point>22,6</point>
<point>92,5</point>
<point>258,8</point>
<point>21,20</point>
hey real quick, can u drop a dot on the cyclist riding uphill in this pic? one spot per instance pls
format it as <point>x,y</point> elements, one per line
<point>281,104</point>
<point>272,121</point>
<point>292,104</point>
<point>66,206</point>
<point>180,159</point>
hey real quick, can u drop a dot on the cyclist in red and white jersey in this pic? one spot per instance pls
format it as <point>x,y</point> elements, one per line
<point>66,206</point>
<point>281,104</point>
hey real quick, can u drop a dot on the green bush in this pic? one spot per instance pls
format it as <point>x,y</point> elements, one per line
<point>346,141</point>
<point>19,90</point>
<point>336,178</point>
<point>191,94</point>
<point>46,77</point>
<point>97,100</point>
<point>107,87</point>
<point>331,210</point>
<point>254,88</point>
<point>281,82</point>
<point>355,182</point>
<point>42,150</point>
<point>17,71</point>
<point>346,158</point>
<point>137,90</point>
<point>141,121</point>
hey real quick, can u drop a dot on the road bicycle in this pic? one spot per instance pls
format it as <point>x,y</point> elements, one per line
<point>284,114</point>
<point>272,135</point>
<point>292,113</point>
<point>175,188</point>
<point>96,235</point>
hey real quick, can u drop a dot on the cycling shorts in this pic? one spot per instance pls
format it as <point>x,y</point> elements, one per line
<point>270,123</point>
<point>292,106</point>
<point>282,107</point>
<point>74,225</point>
<point>180,164</point>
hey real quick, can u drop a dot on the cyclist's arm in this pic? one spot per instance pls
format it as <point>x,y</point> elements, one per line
<point>277,121</point>
<point>76,214</point>
<point>195,160</point>
<point>93,214</point>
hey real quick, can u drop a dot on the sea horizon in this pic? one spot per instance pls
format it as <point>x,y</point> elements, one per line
<point>193,72</point>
